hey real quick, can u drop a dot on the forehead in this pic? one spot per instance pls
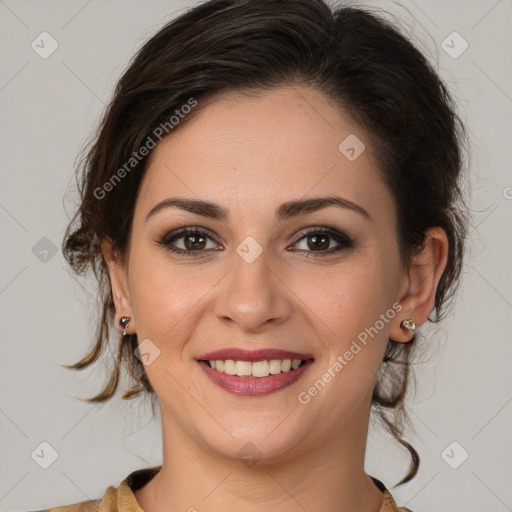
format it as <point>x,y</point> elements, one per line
<point>269,146</point>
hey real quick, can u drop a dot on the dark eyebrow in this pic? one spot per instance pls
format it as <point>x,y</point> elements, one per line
<point>285,211</point>
<point>197,206</point>
<point>302,206</point>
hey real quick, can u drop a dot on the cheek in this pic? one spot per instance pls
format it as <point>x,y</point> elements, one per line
<point>167,297</point>
<point>353,309</point>
<point>168,304</point>
<point>349,296</point>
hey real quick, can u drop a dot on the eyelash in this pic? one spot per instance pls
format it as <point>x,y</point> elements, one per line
<point>344,241</point>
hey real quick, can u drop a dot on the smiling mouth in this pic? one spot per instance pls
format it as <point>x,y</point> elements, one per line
<point>256,369</point>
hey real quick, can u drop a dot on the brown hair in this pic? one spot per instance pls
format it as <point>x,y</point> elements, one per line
<point>360,61</point>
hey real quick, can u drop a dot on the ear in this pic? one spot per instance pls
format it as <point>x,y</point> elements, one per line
<point>119,282</point>
<point>419,284</point>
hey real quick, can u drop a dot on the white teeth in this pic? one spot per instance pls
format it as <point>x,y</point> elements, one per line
<point>260,369</point>
<point>256,368</point>
<point>229,367</point>
<point>243,368</point>
<point>275,366</point>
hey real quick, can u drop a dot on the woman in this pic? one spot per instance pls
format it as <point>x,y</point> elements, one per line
<point>272,209</point>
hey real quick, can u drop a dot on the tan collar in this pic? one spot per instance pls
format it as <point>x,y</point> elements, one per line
<point>122,498</point>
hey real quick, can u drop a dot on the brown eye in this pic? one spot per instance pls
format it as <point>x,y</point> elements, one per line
<point>193,241</point>
<point>318,241</point>
<point>323,241</point>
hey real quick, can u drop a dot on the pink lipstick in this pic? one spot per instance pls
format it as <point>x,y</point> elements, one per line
<point>254,372</point>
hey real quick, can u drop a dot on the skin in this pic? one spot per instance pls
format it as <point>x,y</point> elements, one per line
<point>250,154</point>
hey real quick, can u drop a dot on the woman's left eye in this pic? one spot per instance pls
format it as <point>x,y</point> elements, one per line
<point>318,240</point>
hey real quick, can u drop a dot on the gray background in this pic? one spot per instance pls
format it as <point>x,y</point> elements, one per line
<point>48,109</point>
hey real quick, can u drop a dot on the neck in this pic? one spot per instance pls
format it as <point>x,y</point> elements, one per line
<point>328,477</point>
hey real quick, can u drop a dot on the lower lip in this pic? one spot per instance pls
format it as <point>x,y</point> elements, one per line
<point>255,386</point>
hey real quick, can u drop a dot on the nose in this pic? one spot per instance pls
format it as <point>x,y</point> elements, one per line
<point>253,296</point>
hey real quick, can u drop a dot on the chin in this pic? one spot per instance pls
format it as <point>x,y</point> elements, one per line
<point>264,442</point>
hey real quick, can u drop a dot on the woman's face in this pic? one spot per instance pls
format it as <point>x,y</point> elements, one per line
<point>256,281</point>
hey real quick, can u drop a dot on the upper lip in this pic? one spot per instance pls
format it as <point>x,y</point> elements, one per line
<point>239,354</point>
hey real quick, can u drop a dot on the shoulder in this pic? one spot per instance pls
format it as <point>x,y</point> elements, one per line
<point>121,495</point>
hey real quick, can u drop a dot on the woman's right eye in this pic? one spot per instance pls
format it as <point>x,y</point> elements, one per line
<point>194,241</point>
